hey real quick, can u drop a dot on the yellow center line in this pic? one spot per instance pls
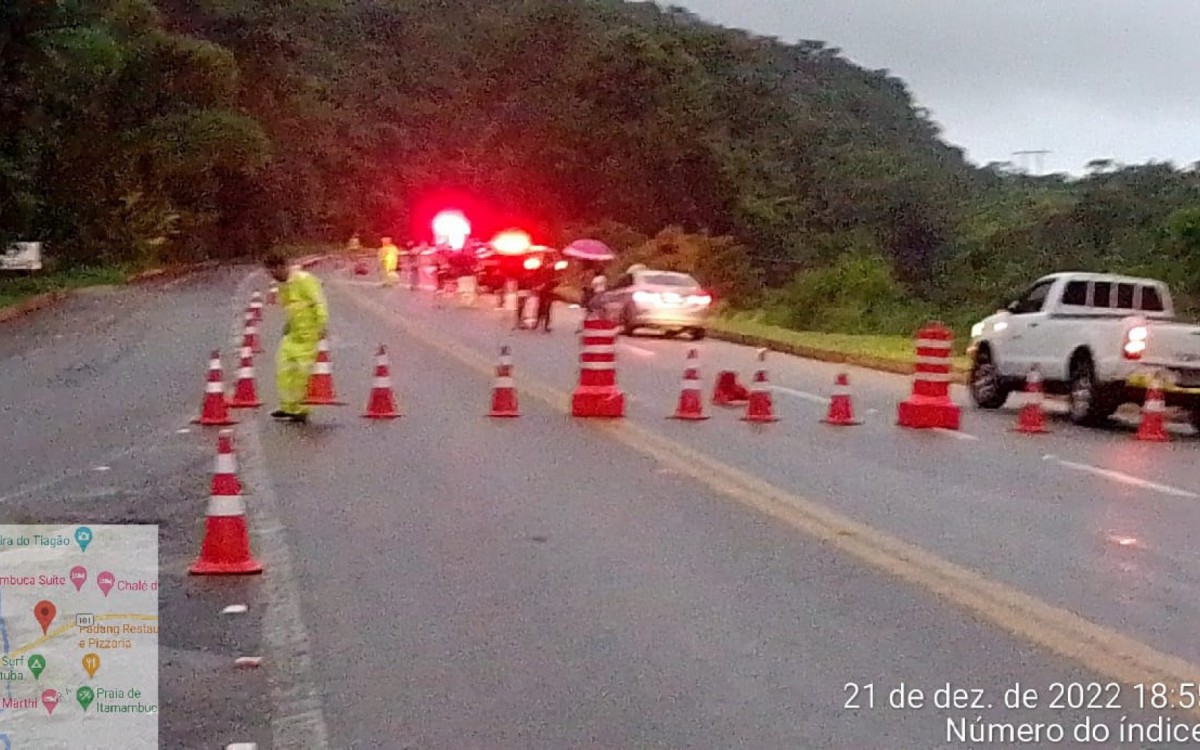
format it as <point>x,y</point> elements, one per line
<point>1103,650</point>
<point>65,628</point>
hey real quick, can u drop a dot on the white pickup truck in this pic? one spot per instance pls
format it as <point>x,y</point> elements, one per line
<point>1098,338</point>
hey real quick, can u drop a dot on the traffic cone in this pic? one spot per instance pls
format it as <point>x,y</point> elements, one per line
<point>760,408</point>
<point>215,411</point>
<point>320,382</point>
<point>1032,419</point>
<point>729,392</point>
<point>245,394</point>
<point>226,546</point>
<point>273,295</point>
<point>504,395</point>
<point>250,333</point>
<point>1153,427</point>
<point>256,306</point>
<point>841,409</point>
<point>382,403</point>
<point>691,407</point>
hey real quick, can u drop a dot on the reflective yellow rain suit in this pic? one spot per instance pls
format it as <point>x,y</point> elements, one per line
<point>389,257</point>
<point>303,300</point>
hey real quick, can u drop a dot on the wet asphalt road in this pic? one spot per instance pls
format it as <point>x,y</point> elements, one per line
<point>447,581</point>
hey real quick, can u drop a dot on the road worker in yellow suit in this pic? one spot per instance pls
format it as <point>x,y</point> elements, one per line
<point>302,299</point>
<point>389,258</point>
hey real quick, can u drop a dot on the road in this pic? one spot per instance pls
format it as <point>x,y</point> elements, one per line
<point>449,581</point>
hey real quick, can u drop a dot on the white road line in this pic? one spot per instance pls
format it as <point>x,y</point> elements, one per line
<point>955,433</point>
<point>1123,478</point>
<point>640,351</point>
<point>813,397</point>
<point>297,716</point>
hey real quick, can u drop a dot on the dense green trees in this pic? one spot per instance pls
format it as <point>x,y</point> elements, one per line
<point>783,175</point>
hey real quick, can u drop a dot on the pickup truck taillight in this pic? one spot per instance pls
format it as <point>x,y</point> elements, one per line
<point>1135,342</point>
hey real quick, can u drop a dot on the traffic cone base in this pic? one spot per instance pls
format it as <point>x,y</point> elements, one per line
<point>382,405</point>
<point>599,402</point>
<point>226,549</point>
<point>691,406</point>
<point>760,409</point>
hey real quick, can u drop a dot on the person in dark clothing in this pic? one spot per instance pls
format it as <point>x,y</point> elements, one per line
<point>545,286</point>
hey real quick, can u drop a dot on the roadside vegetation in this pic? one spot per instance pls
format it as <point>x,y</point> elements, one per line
<point>15,289</point>
<point>811,194</point>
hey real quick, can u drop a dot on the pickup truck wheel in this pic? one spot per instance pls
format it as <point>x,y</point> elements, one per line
<point>1089,404</point>
<point>987,389</point>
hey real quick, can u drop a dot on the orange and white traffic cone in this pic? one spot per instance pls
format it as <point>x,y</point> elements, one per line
<point>691,406</point>
<point>256,306</point>
<point>226,546</point>
<point>841,408</point>
<point>504,393</point>
<point>382,403</point>
<point>215,410</point>
<point>320,382</point>
<point>760,407</point>
<point>245,394</point>
<point>250,333</point>
<point>1153,427</point>
<point>1032,419</point>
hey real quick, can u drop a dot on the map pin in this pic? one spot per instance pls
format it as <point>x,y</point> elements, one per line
<point>105,581</point>
<point>45,611</point>
<point>83,535</point>
<point>49,700</point>
<point>37,663</point>
<point>91,662</point>
<point>78,576</point>
<point>85,695</point>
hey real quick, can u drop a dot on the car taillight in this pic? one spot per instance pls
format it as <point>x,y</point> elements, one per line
<point>1135,342</point>
<point>700,299</point>
<point>532,263</point>
<point>560,265</point>
<point>645,297</point>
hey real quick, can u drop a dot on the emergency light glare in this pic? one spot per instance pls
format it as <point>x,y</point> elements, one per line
<point>532,263</point>
<point>512,242</point>
<point>451,228</point>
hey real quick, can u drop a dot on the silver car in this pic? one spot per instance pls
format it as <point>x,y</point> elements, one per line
<point>664,300</point>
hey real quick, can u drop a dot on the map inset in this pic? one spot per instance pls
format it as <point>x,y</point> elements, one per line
<point>78,637</point>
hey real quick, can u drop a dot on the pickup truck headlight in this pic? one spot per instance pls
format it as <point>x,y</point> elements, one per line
<point>977,330</point>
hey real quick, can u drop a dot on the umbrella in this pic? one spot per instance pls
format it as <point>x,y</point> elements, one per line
<point>590,250</point>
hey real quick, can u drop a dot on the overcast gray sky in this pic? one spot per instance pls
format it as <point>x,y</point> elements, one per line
<point>1085,79</point>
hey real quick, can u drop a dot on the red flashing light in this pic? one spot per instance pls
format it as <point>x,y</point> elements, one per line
<point>533,264</point>
<point>512,242</point>
<point>451,228</point>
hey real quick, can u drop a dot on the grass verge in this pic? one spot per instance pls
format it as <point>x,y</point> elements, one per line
<point>888,353</point>
<point>16,290</point>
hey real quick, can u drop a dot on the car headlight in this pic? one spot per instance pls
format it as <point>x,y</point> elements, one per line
<point>977,330</point>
